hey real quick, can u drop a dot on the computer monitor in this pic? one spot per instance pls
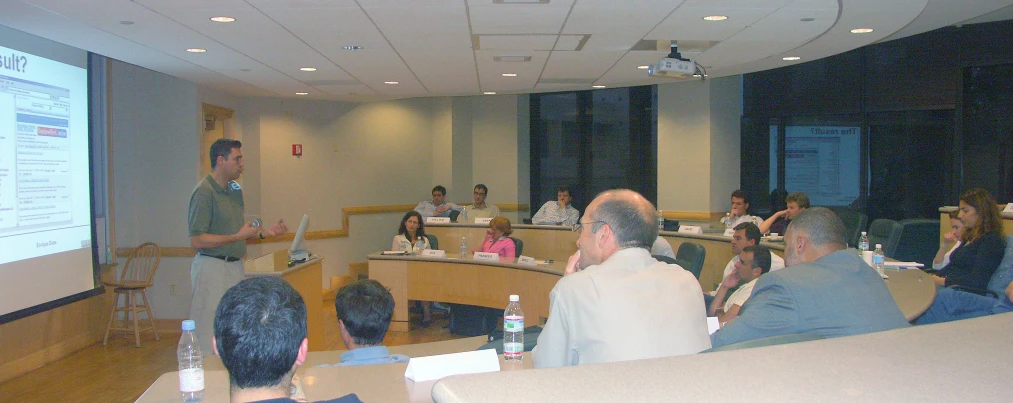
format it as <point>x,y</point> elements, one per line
<point>296,251</point>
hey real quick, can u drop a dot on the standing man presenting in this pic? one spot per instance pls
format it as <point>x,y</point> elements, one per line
<point>218,233</point>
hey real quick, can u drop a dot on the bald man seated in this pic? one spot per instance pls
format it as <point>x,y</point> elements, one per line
<point>615,302</point>
<point>827,289</point>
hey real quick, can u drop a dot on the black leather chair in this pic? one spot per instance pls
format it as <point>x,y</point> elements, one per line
<point>886,232</point>
<point>854,223</point>
<point>694,254</point>
<point>526,220</point>
<point>434,243</point>
<point>518,246</point>
<point>453,215</point>
<point>919,240</point>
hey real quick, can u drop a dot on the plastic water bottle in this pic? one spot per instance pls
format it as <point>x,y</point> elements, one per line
<point>417,250</point>
<point>727,220</point>
<point>513,330</point>
<point>863,243</point>
<point>191,365</point>
<point>464,248</point>
<point>661,220</point>
<point>878,259</point>
<point>464,215</point>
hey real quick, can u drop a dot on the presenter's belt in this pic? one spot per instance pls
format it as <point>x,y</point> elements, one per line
<point>225,258</point>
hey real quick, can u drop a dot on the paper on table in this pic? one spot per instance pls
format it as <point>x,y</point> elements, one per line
<point>712,324</point>
<point>902,264</point>
<point>423,369</point>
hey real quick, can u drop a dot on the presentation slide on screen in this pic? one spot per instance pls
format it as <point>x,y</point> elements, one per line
<point>45,205</point>
<point>823,162</point>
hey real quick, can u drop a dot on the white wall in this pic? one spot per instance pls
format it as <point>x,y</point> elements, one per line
<point>684,146</point>
<point>726,128</point>
<point>155,137</point>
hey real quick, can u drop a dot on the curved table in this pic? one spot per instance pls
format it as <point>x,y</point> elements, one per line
<point>913,290</point>
<point>464,281</point>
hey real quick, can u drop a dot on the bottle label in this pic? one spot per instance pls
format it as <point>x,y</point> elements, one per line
<point>191,380</point>
<point>513,324</point>
<point>878,259</point>
<point>513,349</point>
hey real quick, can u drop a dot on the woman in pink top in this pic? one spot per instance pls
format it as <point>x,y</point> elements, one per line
<point>496,240</point>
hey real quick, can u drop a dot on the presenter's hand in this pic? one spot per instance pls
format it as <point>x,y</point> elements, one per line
<point>277,229</point>
<point>573,264</point>
<point>248,231</point>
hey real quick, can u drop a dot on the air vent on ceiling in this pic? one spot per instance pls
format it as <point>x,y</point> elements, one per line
<point>567,81</point>
<point>326,83</point>
<point>511,59</point>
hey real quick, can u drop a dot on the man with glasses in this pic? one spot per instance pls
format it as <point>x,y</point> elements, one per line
<point>616,302</point>
<point>480,209</point>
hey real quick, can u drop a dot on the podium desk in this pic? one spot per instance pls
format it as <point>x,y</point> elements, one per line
<point>464,281</point>
<point>306,278</point>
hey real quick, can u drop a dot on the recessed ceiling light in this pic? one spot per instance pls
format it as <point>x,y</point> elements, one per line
<point>715,18</point>
<point>196,50</point>
<point>308,68</point>
<point>643,67</point>
<point>302,93</point>
<point>808,19</point>
<point>509,74</point>
<point>222,19</point>
<point>597,86</point>
<point>244,70</point>
<point>861,30</point>
<point>790,58</point>
<point>126,22</point>
<point>390,82</point>
<point>353,47</point>
<point>490,93</point>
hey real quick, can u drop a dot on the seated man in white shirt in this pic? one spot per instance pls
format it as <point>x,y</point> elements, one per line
<point>480,209</point>
<point>753,262</point>
<point>748,234</point>
<point>439,207</point>
<point>615,302</point>
<point>558,212</point>
<point>739,213</point>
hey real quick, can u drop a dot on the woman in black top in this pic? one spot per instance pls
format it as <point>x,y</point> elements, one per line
<point>973,263</point>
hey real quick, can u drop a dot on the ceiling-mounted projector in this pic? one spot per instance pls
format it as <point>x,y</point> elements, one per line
<point>673,68</point>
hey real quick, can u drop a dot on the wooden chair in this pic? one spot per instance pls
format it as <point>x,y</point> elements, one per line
<point>134,280</point>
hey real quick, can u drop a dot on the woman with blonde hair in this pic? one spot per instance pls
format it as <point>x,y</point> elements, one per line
<point>982,244</point>
<point>497,239</point>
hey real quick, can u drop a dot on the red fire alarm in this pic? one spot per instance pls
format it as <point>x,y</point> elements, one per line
<point>297,150</point>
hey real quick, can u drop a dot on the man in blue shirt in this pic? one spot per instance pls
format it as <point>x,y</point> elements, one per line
<point>439,206</point>
<point>365,309</point>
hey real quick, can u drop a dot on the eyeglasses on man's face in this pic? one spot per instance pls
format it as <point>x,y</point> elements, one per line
<point>576,227</point>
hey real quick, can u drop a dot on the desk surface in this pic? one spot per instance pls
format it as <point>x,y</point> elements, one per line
<point>372,383</point>
<point>965,360</point>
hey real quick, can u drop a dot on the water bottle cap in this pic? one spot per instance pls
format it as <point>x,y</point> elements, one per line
<point>515,298</point>
<point>189,325</point>
<point>878,245</point>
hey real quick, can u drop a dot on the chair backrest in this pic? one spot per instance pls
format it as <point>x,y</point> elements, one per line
<point>518,246</point>
<point>919,240</point>
<point>886,232</point>
<point>766,341</point>
<point>666,259</point>
<point>1004,274</point>
<point>453,215</point>
<point>526,220</point>
<point>434,243</point>
<point>854,223</point>
<point>142,263</point>
<point>693,253</point>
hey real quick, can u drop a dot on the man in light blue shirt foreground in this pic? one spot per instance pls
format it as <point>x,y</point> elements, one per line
<point>365,309</point>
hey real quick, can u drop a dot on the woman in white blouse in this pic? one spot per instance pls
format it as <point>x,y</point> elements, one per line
<point>411,232</point>
<point>951,240</point>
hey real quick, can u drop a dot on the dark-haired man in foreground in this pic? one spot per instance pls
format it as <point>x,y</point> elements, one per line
<point>260,335</point>
<point>364,310</point>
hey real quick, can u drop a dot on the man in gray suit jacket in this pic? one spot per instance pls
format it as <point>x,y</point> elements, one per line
<point>826,289</point>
